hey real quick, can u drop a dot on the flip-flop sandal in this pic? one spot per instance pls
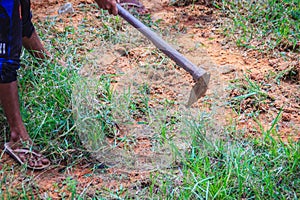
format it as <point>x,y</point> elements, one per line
<point>138,6</point>
<point>32,157</point>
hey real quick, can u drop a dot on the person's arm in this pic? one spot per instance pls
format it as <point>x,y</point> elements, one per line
<point>110,5</point>
<point>34,45</point>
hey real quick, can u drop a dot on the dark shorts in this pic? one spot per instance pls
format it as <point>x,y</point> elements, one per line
<point>15,23</point>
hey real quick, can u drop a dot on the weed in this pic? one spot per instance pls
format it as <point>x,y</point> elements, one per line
<point>248,96</point>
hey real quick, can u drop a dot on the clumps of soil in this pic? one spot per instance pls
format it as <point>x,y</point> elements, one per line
<point>246,100</point>
<point>263,98</point>
<point>289,70</point>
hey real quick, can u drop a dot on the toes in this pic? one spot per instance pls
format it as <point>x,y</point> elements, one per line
<point>33,160</point>
<point>39,164</point>
<point>45,161</point>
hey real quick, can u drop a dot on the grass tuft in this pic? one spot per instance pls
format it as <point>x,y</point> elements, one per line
<point>237,169</point>
<point>263,25</point>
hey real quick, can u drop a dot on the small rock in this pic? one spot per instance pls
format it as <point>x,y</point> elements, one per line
<point>226,69</point>
<point>286,117</point>
<point>67,8</point>
<point>256,76</point>
<point>274,62</point>
<point>154,76</point>
<point>121,51</point>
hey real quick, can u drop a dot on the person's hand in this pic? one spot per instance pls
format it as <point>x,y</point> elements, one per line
<point>110,5</point>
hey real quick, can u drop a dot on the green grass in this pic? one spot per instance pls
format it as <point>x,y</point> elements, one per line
<point>45,93</point>
<point>235,168</point>
<point>263,25</point>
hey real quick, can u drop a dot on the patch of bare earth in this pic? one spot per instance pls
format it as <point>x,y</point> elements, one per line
<point>198,38</point>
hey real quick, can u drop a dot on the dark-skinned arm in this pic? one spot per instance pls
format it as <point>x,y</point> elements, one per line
<point>110,5</point>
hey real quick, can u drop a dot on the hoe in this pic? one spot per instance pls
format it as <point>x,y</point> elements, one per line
<point>200,76</point>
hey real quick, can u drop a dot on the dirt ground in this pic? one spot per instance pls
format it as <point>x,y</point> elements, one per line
<point>198,27</point>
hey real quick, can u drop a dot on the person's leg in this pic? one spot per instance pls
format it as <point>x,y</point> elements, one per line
<point>10,38</point>
<point>11,44</point>
<point>9,99</point>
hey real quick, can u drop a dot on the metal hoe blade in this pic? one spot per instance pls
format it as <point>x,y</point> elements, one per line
<point>199,89</point>
<point>200,76</point>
